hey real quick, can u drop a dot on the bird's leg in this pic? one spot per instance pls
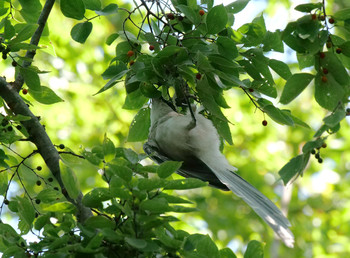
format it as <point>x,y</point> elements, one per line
<point>193,122</point>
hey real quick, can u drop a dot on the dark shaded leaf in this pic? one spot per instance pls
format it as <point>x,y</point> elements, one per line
<point>81,31</point>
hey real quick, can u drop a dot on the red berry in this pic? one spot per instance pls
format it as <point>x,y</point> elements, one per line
<point>24,91</point>
<point>313,16</point>
<point>151,47</point>
<point>201,12</point>
<point>170,16</point>
<point>264,123</point>
<point>131,62</point>
<point>198,76</point>
<point>325,71</point>
<point>321,18</point>
<point>338,50</point>
<point>324,78</point>
<point>130,53</point>
<point>251,90</point>
<point>331,20</point>
<point>322,55</point>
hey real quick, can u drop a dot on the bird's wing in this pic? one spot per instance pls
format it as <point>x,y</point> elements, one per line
<point>192,167</point>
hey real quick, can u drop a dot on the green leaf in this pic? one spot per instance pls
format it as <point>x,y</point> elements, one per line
<point>328,94</point>
<point>306,8</point>
<point>117,190</point>
<point>255,249</point>
<point>172,198</point>
<point>345,48</point>
<point>45,96</point>
<point>150,183</point>
<point>49,195</point>
<point>92,4</point>
<point>95,197</point>
<point>121,171</point>
<point>134,100</point>
<point>279,116</point>
<point>3,181</point>
<point>135,242</point>
<point>333,119</point>
<point>236,6</point>
<point>41,221</point>
<point>294,86</point>
<point>109,9</point>
<point>156,205</point>
<point>227,253</point>
<point>216,19</point>
<point>227,47</point>
<point>281,68</point>
<point>73,9</point>
<point>223,129</point>
<point>205,94</point>
<point>189,13</point>
<point>305,60</point>
<point>32,5</point>
<point>99,222</point>
<point>343,14</point>
<point>112,81</point>
<point>69,180</point>
<point>207,247</point>
<point>26,214</point>
<point>167,168</point>
<point>24,33</point>
<point>310,145</point>
<point>336,68</point>
<point>294,167</point>
<point>183,184</point>
<point>140,126</point>
<point>111,38</point>
<point>273,41</point>
<point>81,31</point>
<point>64,207</point>
<point>9,30</point>
<point>31,78</point>
<point>108,149</point>
<point>113,70</point>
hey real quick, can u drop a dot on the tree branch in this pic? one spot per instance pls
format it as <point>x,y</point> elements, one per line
<point>35,40</point>
<point>42,141</point>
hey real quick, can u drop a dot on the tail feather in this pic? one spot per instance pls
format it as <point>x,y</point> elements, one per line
<point>266,209</point>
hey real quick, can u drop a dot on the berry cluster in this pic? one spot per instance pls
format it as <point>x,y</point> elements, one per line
<point>316,153</point>
<point>4,49</point>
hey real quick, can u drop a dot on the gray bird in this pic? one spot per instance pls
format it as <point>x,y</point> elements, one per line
<point>193,139</point>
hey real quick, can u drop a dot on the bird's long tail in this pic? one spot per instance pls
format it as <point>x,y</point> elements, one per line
<point>266,209</point>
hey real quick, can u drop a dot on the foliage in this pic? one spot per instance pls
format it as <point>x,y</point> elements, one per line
<point>185,52</point>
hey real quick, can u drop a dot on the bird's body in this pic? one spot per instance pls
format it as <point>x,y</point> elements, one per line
<point>194,140</point>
